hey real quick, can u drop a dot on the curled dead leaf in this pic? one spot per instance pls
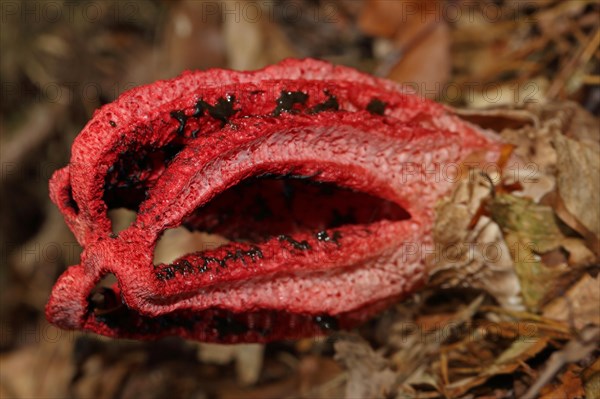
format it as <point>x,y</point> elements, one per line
<point>474,256</point>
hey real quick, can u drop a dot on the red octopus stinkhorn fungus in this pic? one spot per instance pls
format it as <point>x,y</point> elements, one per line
<point>317,173</point>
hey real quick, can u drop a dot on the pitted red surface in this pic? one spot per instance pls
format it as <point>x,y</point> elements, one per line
<point>176,151</point>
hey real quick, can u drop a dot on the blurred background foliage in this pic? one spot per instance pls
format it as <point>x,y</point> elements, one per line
<point>61,60</point>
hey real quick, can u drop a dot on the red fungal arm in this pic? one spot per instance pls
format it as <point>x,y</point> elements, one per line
<point>205,148</point>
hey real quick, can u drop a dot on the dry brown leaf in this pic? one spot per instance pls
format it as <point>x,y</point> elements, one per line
<point>385,18</point>
<point>581,124</point>
<point>533,161</point>
<point>533,143</point>
<point>579,179</point>
<point>419,55</point>
<point>425,65</point>
<point>476,256</point>
<point>572,222</point>
<point>579,305</point>
<point>538,158</point>
<point>569,386</point>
